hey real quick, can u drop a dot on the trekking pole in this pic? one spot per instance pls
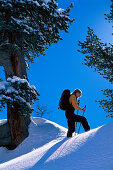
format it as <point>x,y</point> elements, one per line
<point>81,122</point>
<point>76,122</point>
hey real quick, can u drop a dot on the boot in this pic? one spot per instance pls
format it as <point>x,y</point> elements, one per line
<point>69,134</point>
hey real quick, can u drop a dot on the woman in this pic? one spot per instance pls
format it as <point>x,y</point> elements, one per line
<point>71,117</point>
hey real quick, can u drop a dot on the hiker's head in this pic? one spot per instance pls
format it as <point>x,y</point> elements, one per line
<point>77,93</point>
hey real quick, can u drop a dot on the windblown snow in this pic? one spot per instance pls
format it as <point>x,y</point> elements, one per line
<point>48,148</point>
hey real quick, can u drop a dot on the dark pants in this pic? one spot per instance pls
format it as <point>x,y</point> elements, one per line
<point>72,118</point>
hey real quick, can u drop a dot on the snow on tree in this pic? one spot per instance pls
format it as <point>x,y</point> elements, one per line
<point>18,90</point>
<point>37,24</point>
<point>27,29</point>
<point>100,56</point>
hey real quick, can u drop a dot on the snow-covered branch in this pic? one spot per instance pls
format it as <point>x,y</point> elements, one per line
<point>20,91</point>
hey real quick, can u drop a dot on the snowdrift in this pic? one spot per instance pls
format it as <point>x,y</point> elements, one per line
<point>48,148</point>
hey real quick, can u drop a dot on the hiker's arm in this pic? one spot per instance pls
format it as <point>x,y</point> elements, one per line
<point>74,103</point>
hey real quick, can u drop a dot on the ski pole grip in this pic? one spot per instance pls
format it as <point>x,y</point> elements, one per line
<point>85,106</point>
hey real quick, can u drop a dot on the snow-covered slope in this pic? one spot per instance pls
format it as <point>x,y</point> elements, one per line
<point>48,148</point>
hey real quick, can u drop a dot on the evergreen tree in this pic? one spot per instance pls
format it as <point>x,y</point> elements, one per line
<point>32,24</point>
<point>100,56</point>
<point>27,29</point>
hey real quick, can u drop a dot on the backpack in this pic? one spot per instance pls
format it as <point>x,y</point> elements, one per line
<point>64,100</point>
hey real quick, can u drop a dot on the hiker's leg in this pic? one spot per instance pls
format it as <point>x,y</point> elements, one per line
<point>83,120</point>
<point>71,128</point>
<point>85,124</point>
<point>71,124</point>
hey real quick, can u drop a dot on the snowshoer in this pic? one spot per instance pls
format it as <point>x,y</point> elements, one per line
<point>71,117</point>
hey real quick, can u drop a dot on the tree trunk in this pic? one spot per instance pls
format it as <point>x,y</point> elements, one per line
<point>15,66</point>
<point>16,121</point>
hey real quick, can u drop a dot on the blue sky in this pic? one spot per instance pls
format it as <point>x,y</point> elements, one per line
<point>62,68</point>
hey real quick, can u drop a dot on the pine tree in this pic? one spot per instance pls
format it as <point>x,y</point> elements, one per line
<point>32,25</point>
<point>99,55</point>
<point>27,29</point>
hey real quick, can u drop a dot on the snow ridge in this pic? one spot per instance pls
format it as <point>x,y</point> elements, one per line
<point>48,148</point>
